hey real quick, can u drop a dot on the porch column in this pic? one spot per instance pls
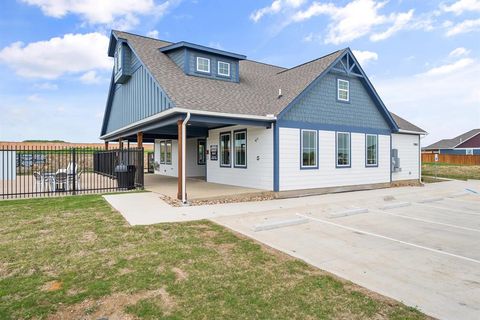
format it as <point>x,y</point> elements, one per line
<point>179,161</point>
<point>140,140</point>
<point>106,145</point>
<point>120,143</point>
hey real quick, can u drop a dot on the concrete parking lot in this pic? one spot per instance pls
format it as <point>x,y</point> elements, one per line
<point>420,246</point>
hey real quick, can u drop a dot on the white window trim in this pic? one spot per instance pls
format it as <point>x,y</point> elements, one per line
<point>218,69</point>
<point>235,150</point>
<point>376,150</point>
<point>343,90</point>
<point>204,71</point>
<point>301,148</point>
<point>349,150</point>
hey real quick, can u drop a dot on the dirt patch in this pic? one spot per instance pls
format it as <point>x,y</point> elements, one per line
<point>113,306</point>
<point>227,199</point>
<point>89,237</point>
<point>52,286</point>
<point>123,271</point>
<point>180,275</point>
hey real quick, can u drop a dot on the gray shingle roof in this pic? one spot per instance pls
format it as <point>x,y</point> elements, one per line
<point>256,94</point>
<point>451,143</point>
<point>405,125</point>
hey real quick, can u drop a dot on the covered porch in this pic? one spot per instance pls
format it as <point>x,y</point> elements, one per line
<point>183,129</point>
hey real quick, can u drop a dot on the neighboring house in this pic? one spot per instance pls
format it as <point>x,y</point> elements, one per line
<point>320,124</point>
<point>466,143</point>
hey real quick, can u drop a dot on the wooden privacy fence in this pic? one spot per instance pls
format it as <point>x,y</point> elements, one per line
<point>460,159</point>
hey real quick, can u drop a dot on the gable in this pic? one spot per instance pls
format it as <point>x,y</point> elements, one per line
<point>473,142</point>
<point>138,98</point>
<point>319,105</point>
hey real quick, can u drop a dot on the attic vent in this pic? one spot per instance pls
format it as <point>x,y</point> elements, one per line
<point>279,93</point>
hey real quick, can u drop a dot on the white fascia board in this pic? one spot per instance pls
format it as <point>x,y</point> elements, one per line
<point>176,110</point>
<point>413,132</point>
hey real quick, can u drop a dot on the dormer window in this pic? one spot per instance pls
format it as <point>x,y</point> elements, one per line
<point>118,59</point>
<point>224,69</point>
<point>203,64</point>
<point>343,90</point>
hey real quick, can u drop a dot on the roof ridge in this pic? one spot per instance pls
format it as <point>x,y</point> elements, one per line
<point>302,64</point>
<point>142,36</point>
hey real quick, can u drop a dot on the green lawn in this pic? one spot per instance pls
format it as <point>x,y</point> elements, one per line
<point>75,257</point>
<point>451,171</point>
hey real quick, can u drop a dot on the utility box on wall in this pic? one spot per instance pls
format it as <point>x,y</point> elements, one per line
<point>8,165</point>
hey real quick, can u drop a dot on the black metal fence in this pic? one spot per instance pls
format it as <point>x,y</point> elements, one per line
<point>49,171</point>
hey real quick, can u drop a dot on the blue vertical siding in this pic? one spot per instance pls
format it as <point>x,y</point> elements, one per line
<point>135,100</point>
<point>320,106</point>
<point>178,56</point>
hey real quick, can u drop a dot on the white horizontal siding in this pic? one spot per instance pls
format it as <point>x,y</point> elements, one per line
<point>192,169</point>
<point>259,171</point>
<point>408,146</point>
<point>327,175</point>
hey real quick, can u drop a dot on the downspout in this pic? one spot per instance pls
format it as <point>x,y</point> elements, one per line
<point>184,142</point>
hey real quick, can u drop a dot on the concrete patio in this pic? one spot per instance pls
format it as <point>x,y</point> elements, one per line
<point>197,188</point>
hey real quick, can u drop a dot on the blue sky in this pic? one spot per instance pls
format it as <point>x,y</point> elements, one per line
<point>422,56</point>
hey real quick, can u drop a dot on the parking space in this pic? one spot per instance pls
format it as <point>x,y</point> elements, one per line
<point>419,247</point>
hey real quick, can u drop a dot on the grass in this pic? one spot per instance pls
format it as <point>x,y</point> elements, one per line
<point>75,257</point>
<point>451,171</point>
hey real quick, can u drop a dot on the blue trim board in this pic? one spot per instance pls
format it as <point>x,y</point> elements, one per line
<point>234,157</point>
<point>301,150</point>
<point>220,149</point>
<point>276,158</point>
<point>366,151</point>
<point>330,127</point>
<point>349,152</point>
<point>184,44</point>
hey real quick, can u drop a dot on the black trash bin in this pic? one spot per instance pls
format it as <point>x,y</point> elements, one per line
<point>125,176</point>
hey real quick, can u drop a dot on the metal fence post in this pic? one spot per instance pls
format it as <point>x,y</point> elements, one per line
<point>74,171</point>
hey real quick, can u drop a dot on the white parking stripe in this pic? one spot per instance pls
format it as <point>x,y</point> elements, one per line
<point>427,221</point>
<point>463,201</point>
<point>448,209</point>
<point>388,238</point>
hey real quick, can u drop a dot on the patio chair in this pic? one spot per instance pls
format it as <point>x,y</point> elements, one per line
<point>61,181</point>
<point>39,182</point>
<point>76,177</point>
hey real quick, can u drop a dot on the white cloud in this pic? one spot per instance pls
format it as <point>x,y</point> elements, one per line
<point>275,7</point>
<point>461,6</point>
<point>401,20</point>
<point>216,45</point>
<point>459,52</point>
<point>153,34</point>
<point>35,98</point>
<point>443,103</point>
<point>90,77</point>
<point>356,19</point>
<point>449,68</point>
<point>117,13</point>
<point>50,59</point>
<point>45,86</point>
<point>464,27</point>
<point>364,57</point>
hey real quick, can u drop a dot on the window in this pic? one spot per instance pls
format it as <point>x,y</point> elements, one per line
<point>224,68</point>
<point>343,90</point>
<point>240,146</point>
<point>309,148</point>
<point>343,149</point>
<point>162,152</point>
<point>118,59</point>
<point>168,153</point>
<point>201,154</point>
<point>225,142</point>
<point>203,64</point>
<point>372,150</point>
<point>469,151</point>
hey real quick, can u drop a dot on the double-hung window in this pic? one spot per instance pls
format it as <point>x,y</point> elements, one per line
<point>343,90</point>
<point>371,150</point>
<point>240,146</point>
<point>162,152</point>
<point>225,145</point>
<point>203,64</point>
<point>168,153</point>
<point>201,151</point>
<point>343,149</point>
<point>309,147</point>
<point>224,69</point>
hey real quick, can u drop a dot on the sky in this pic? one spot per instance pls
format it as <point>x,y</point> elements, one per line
<point>421,56</point>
